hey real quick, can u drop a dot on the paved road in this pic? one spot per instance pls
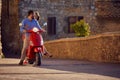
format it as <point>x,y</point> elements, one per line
<point>53,69</point>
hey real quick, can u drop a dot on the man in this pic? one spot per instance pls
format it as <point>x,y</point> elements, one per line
<point>27,24</point>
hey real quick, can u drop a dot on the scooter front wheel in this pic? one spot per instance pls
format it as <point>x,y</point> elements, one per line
<point>38,59</point>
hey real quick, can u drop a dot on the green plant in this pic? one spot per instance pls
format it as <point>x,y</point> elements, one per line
<point>81,28</point>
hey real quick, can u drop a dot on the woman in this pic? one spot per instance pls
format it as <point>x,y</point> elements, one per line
<point>37,17</point>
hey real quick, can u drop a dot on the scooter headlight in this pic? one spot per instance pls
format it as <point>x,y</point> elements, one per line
<point>35,29</point>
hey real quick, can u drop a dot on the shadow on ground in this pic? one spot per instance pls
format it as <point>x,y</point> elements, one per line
<point>105,69</point>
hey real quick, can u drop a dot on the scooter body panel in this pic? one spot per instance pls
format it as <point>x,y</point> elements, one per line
<point>35,46</point>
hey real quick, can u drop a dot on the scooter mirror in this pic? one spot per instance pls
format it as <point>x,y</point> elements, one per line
<point>20,24</point>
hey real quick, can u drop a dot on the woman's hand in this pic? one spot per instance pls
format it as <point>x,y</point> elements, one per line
<point>43,30</point>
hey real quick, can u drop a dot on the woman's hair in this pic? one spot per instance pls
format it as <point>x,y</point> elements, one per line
<point>38,15</point>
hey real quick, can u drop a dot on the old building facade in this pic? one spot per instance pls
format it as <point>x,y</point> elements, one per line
<point>60,13</point>
<point>101,15</point>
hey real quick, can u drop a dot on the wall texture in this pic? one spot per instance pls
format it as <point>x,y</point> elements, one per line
<point>0,30</point>
<point>9,26</point>
<point>99,48</point>
<point>108,17</point>
<point>61,9</point>
<point>102,15</point>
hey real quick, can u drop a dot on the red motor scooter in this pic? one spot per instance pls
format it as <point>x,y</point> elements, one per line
<point>35,49</point>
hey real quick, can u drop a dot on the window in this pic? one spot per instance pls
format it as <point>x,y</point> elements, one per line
<point>72,20</point>
<point>51,22</point>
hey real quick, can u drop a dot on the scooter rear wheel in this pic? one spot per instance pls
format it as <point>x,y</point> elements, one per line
<point>38,59</point>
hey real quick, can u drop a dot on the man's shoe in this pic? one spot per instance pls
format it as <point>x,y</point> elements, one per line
<point>21,62</point>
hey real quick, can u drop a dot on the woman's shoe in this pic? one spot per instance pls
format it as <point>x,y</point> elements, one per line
<point>47,54</point>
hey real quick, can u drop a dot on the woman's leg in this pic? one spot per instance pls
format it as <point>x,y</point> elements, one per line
<point>46,52</point>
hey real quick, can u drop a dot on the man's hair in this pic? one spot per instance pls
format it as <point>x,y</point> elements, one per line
<point>30,12</point>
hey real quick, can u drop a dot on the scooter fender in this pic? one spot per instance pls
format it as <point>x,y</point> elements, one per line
<point>37,49</point>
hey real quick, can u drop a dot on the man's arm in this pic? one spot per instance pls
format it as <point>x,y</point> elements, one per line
<point>22,27</point>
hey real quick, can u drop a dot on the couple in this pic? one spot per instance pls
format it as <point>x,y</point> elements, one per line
<point>27,24</point>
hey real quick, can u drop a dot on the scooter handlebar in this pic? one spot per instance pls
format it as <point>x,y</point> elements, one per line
<point>31,31</point>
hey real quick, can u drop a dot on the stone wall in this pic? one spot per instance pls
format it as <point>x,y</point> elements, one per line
<point>61,9</point>
<point>99,48</point>
<point>108,8</point>
<point>108,17</point>
<point>102,16</point>
<point>0,31</point>
<point>10,29</point>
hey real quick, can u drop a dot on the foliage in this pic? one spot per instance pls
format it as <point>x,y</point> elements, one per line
<point>81,28</point>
